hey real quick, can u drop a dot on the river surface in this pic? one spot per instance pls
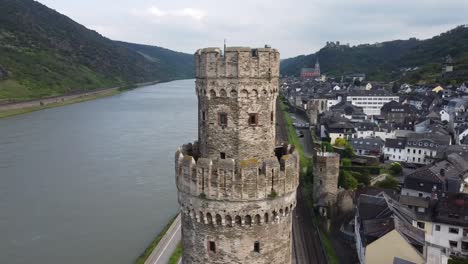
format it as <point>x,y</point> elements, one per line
<point>92,182</point>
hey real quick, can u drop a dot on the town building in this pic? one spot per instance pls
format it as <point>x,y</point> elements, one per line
<point>311,73</point>
<point>367,146</point>
<point>395,112</point>
<point>236,188</point>
<point>443,176</point>
<point>371,101</point>
<point>385,233</point>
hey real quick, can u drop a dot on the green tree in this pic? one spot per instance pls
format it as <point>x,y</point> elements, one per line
<point>340,142</point>
<point>396,168</point>
<point>349,151</point>
<point>347,181</point>
<point>346,162</point>
<point>388,183</point>
<point>327,146</point>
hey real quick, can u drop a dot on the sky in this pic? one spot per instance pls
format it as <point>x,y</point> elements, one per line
<point>294,27</point>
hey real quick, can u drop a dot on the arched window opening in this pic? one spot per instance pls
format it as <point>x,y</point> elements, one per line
<point>209,219</point>
<point>218,220</point>
<point>222,93</point>
<point>257,219</point>
<point>212,93</point>
<point>200,215</point>
<point>266,218</point>
<point>228,220</point>
<point>248,220</point>
<point>238,220</point>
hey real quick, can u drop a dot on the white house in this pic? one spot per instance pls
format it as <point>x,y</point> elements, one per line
<point>371,101</point>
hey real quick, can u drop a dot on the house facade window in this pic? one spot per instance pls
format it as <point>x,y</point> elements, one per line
<point>453,230</point>
<point>437,227</point>
<point>453,244</point>
<point>257,247</point>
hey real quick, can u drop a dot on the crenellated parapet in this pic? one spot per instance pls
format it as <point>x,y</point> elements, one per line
<point>236,180</point>
<point>237,62</point>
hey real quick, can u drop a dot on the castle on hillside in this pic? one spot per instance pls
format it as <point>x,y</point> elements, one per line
<point>311,73</point>
<point>236,188</point>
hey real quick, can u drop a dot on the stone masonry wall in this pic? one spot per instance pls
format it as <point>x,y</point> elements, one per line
<point>240,180</point>
<point>235,228</point>
<point>326,173</point>
<point>238,84</point>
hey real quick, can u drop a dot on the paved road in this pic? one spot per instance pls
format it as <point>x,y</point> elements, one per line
<point>166,245</point>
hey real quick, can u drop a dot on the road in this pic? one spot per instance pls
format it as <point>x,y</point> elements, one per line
<point>166,245</point>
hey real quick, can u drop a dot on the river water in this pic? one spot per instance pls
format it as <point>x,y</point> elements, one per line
<point>92,182</point>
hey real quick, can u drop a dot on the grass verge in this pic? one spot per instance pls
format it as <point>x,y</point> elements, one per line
<point>329,250</point>
<point>176,255</point>
<point>144,256</point>
<point>19,111</point>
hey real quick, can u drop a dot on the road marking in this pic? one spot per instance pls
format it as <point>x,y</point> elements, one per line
<point>167,244</point>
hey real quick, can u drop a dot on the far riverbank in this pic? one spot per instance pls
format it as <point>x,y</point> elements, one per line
<point>18,108</point>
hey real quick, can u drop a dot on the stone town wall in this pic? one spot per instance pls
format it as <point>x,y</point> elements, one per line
<point>236,180</point>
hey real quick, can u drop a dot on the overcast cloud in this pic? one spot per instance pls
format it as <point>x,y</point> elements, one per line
<point>293,27</point>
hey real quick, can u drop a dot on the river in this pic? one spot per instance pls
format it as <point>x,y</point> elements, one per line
<point>92,182</point>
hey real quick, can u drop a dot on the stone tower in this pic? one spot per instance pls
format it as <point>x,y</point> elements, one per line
<point>326,173</point>
<point>236,188</point>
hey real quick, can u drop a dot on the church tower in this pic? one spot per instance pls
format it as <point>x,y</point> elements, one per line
<point>236,188</point>
<point>317,68</point>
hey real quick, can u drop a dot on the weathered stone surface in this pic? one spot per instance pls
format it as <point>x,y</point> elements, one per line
<point>326,173</point>
<point>236,189</point>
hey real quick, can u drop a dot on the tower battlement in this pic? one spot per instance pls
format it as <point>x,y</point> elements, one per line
<point>236,180</point>
<point>237,62</point>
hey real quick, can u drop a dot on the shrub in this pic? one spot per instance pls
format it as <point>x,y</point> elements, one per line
<point>388,183</point>
<point>346,162</point>
<point>340,142</point>
<point>396,168</point>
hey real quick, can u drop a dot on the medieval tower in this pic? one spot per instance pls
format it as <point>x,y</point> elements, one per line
<point>326,173</point>
<point>236,188</point>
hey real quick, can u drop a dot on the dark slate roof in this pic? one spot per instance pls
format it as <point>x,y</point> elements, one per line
<point>396,107</point>
<point>347,108</point>
<point>379,92</point>
<point>446,175</point>
<point>398,143</point>
<point>414,201</point>
<point>371,144</point>
<point>366,126</point>
<point>428,140</point>
<point>452,209</point>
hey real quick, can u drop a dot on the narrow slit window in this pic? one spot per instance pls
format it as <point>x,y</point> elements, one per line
<point>223,119</point>
<point>212,246</point>
<point>253,119</point>
<point>222,155</point>
<point>257,247</point>
<point>272,117</point>
<point>203,115</point>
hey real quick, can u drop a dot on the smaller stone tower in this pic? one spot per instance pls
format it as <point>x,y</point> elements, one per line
<point>326,173</point>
